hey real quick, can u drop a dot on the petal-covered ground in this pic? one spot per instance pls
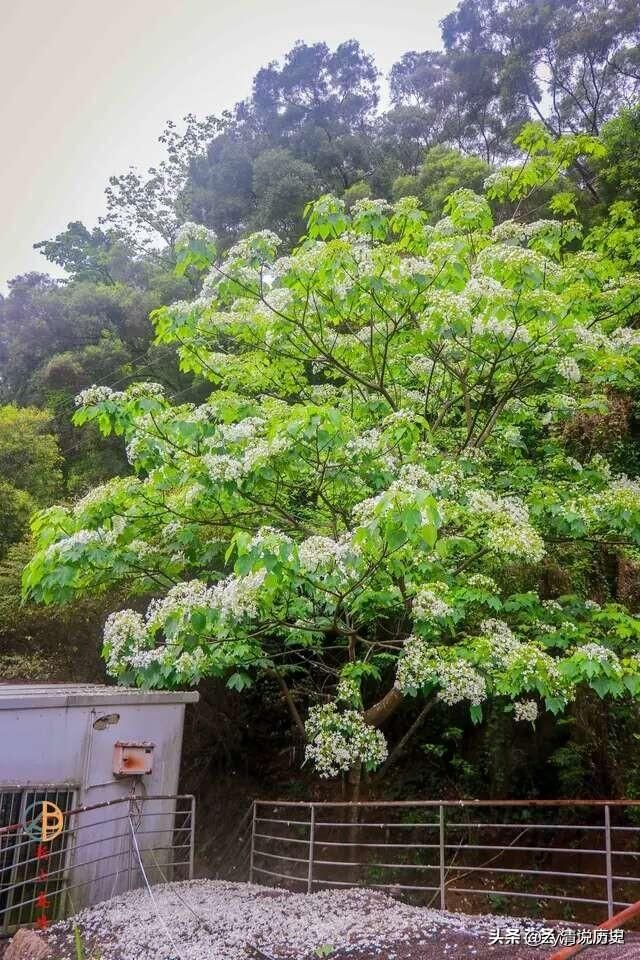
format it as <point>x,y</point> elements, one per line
<point>215,920</point>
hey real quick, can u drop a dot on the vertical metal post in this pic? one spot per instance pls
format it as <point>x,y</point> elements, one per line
<point>253,841</point>
<point>443,894</point>
<point>192,837</point>
<point>130,860</point>
<point>312,836</point>
<point>609,858</point>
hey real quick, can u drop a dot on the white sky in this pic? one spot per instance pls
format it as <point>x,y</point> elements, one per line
<point>87,87</point>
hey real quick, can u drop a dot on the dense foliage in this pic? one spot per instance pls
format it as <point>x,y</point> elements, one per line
<point>362,503</point>
<point>410,484</point>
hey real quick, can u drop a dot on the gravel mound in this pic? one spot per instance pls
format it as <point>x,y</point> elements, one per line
<point>217,920</point>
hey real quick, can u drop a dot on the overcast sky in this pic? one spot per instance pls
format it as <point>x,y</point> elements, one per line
<point>86,87</point>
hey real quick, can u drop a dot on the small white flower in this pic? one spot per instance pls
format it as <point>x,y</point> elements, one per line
<point>526,710</point>
<point>96,394</point>
<point>569,369</point>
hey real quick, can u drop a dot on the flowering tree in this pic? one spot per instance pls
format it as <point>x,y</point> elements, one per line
<point>364,507</point>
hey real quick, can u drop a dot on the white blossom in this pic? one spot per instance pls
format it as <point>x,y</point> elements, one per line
<point>236,597</point>
<point>457,679</point>
<point>318,553</point>
<point>521,542</point>
<point>145,388</point>
<point>337,741</point>
<point>124,629</point>
<point>569,369</point>
<point>96,394</point>
<point>526,710</point>
<point>182,599</point>
<point>245,429</point>
<point>599,653</point>
<point>429,604</point>
<point>511,509</point>
<point>481,582</point>
<point>223,467</point>
<point>194,232</point>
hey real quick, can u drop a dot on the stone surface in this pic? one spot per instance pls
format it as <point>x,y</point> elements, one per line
<point>27,945</point>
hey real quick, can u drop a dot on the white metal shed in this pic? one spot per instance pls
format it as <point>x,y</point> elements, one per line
<point>114,750</point>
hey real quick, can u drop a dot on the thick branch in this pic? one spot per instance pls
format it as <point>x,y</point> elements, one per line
<point>293,710</point>
<point>383,709</point>
<point>400,747</point>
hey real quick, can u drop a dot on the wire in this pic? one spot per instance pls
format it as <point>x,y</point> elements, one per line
<point>148,885</point>
<point>259,954</point>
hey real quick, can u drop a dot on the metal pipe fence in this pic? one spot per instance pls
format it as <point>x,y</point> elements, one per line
<point>575,858</point>
<point>102,851</point>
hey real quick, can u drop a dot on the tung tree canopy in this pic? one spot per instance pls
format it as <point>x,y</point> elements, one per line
<point>365,506</point>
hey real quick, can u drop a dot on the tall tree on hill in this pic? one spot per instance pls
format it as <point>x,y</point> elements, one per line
<point>572,63</point>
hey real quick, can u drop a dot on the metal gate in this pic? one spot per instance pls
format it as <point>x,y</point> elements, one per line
<point>103,849</point>
<point>575,858</point>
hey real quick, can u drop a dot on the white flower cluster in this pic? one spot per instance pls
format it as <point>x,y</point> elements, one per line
<point>277,300</point>
<point>383,503</point>
<point>245,429</point>
<point>366,442</point>
<point>569,369</point>
<point>504,644</point>
<point>429,604</point>
<point>268,538</point>
<point>81,538</point>
<point>221,467</point>
<point>482,287</point>
<point>145,388</point>
<point>499,327</point>
<point>96,394</point>
<point>257,245</point>
<point>318,553</point>
<point>445,227</point>
<point>589,336</point>
<point>521,543</point>
<point>451,308</point>
<point>182,599</point>
<point>191,665</point>
<point>552,605</point>
<point>237,597</point>
<point>503,257</point>
<point>599,653</point>
<point>348,691</point>
<point>507,231</point>
<point>95,497</point>
<point>194,232</point>
<point>622,493</point>
<point>526,710</point>
<point>410,266</point>
<point>510,532</point>
<point>337,741</point>
<point>305,262</point>
<point>507,509</point>
<point>457,679</point>
<point>625,338</point>
<point>124,632</point>
<point>262,450</point>
<point>366,205</point>
<point>413,477</point>
<point>481,582</point>
<point>232,599</point>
